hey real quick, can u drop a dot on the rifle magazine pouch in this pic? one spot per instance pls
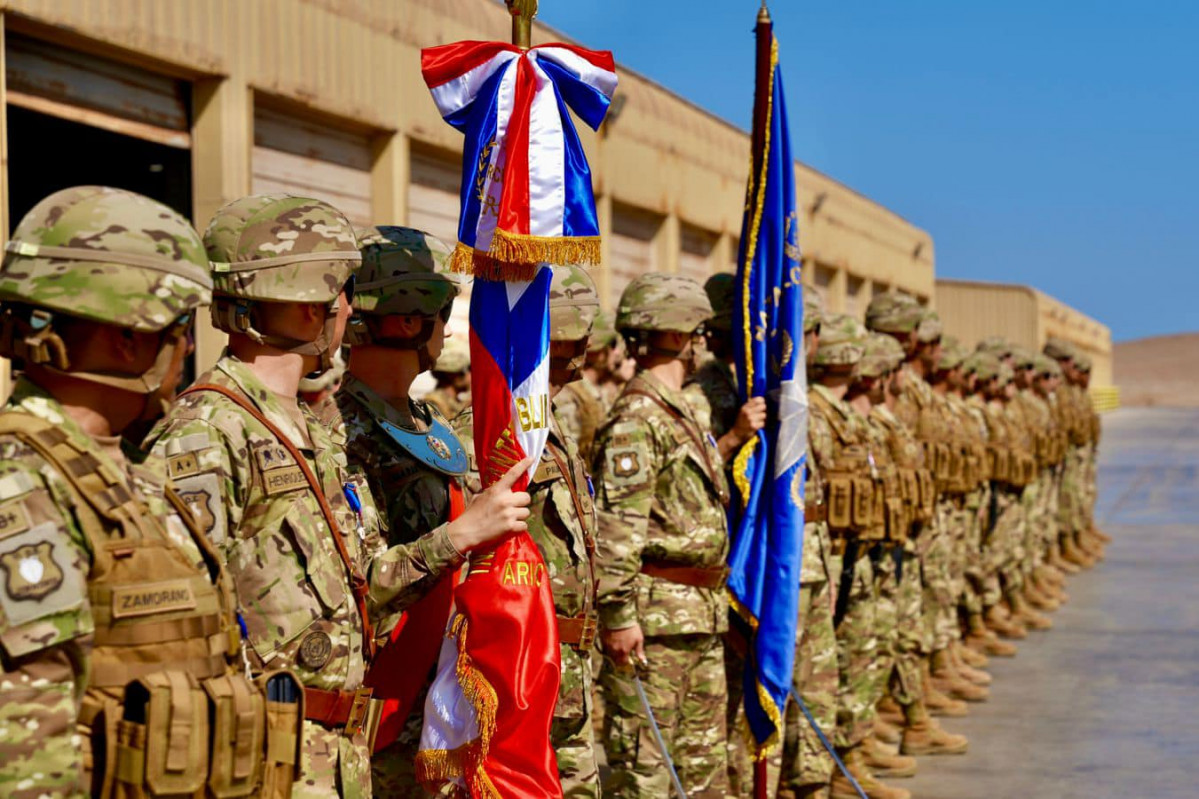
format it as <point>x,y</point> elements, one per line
<point>840,501</point>
<point>238,734</point>
<point>863,502</point>
<point>162,743</point>
<point>928,494</point>
<point>284,733</point>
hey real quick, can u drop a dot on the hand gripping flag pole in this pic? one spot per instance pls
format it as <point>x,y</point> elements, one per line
<point>527,202</point>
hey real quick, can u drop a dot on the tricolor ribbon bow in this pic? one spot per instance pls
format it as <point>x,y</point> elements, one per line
<point>526,186</point>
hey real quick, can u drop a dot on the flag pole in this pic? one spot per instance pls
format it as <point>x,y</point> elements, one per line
<point>522,12</point>
<point>764,35</point>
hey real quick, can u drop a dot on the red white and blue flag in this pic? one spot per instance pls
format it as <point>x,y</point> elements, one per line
<point>527,202</point>
<point>526,185</point>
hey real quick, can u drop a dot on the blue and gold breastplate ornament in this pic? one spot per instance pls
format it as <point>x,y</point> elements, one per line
<point>438,447</point>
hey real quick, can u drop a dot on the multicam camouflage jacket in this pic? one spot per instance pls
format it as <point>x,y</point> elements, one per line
<point>562,523</point>
<point>660,496</point>
<point>295,593</point>
<point>839,443</point>
<point>47,619</point>
<point>581,409</point>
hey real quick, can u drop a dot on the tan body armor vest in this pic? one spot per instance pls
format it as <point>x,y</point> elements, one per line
<point>848,479</point>
<point>165,635</point>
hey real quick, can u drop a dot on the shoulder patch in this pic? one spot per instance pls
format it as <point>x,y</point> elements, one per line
<point>189,443</point>
<point>185,464</point>
<point>625,462</point>
<point>36,578</point>
<point>14,518</point>
<point>201,493</point>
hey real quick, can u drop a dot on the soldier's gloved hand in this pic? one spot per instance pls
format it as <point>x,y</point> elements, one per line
<point>493,514</point>
<point>625,646</point>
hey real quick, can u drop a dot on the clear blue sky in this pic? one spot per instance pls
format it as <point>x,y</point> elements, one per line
<point>1052,143</point>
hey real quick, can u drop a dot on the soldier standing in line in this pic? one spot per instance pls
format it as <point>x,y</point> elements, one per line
<point>298,532</point>
<point>110,591</point>
<point>1038,423</point>
<point>1090,540</point>
<point>1045,383</point>
<point>888,534</point>
<point>562,523</point>
<point>840,443</point>
<point>902,318</point>
<point>956,670</point>
<point>452,373</point>
<point>921,735</point>
<point>662,547</point>
<point>984,580</point>
<point>402,447</point>
<point>581,406</point>
<point>713,392</point>
<point>807,767</point>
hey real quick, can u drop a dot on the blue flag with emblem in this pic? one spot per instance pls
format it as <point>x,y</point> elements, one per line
<point>768,472</point>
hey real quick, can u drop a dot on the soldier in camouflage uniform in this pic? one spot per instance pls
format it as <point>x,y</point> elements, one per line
<point>109,588</point>
<point>298,532</point>
<point>1045,383</point>
<point>921,734</point>
<point>902,318</point>
<point>452,373</point>
<point>401,446</point>
<point>562,523</point>
<point>885,542</point>
<point>581,406</point>
<point>839,442</point>
<point>806,766</point>
<point>662,546</point>
<point>713,393</point>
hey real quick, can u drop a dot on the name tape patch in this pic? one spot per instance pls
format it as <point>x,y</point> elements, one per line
<point>142,600</point>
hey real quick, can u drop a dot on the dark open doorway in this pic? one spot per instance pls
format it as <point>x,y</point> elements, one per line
<point>46,154</point>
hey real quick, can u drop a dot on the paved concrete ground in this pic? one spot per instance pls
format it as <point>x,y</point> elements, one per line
<point>1107,703</point>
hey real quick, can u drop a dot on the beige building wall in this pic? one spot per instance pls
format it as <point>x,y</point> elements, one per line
<point>327,97</point>
<point>972,310</point>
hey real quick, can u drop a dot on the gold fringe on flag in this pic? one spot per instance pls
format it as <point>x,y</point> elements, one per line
<point>515,257</point>
<point>434,767</point>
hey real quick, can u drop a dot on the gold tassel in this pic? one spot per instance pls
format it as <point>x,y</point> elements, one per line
<point>515,257</point>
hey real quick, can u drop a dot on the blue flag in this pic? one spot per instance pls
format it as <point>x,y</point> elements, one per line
<point>768,473</point>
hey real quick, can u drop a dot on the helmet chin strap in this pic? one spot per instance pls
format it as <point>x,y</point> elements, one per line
<point>321,347</point>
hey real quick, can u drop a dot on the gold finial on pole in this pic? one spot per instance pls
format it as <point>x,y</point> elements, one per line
<point>763,13</point>
<point>522,12</point>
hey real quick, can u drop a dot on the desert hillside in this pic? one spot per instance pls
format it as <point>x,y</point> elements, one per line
<point>1163,370</point>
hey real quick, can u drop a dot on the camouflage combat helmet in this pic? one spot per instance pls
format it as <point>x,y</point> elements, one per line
<point>882,354</point>
<point>982,364</point>
<point>953,354</point>
<point>454,358</point>
<point>1047,366</point>
<point>1022,358</point>
<point>842,341</point>
<point>892,312</point>
<point>603,333</point>
<point>721,289</point>
<point>929,329</point>
<point>813,309</point>
<point>105,255</point>
<point>997,346</point>
<point>574,304</point>
<point>1082,361</point>
<point>663,302</point>
<point>1006,374</point>
<point>405,272</point>
<point>279,248</point>
<point>1059,349</point>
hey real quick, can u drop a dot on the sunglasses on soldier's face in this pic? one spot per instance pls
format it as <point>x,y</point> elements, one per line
<point>445,312</point>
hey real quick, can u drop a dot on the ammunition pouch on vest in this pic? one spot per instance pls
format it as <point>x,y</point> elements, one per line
<point>999,463</point>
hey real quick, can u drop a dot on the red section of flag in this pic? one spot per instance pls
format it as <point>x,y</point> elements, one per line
<point>401,668</point>
<point>447,62</point>
<point>514,202</point>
